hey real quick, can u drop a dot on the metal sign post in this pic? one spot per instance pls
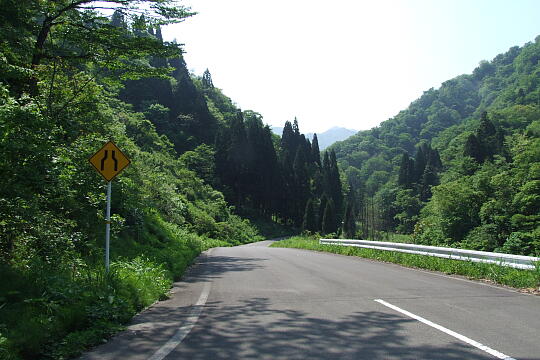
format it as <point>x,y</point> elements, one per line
<point>109,161</point>
<point>108,227</point>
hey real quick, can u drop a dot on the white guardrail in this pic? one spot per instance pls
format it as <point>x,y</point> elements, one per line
<point>515,261</point>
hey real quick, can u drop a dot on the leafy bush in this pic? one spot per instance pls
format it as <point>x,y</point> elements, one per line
<point>519,243</point>
<point>483,238</point>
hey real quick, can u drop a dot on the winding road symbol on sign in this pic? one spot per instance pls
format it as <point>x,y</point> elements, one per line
<point>109,161</point>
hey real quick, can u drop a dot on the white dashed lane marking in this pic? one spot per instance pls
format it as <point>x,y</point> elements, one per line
<point>447,331</point>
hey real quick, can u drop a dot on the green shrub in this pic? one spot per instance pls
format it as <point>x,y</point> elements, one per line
<point>519,243</point>
<point>483,238</point>
<point>141,281</point>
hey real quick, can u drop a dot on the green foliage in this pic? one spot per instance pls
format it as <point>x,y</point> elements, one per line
<point>399,238</point>
<point>467,156</point>
<point>201,161</point>
<point>144,280</point>
<point>407,208</point>
<point>329,222</point>
<point>84,304</point>
<point>270,229</point>
<point>349,222</point>
<point>269,177</point>
<point>59,84</point>
<point>521,243</point>
<point>46,303</point>
<point>455,209</point>
<point>473,149</point>
<point>310,221</point>
<point>483,238</point>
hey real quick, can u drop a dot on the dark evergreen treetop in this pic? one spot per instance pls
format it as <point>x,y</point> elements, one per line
<point>404,171</point>
<point>315,152</point>
<point>119,20</point>
<point>434,159</point>
<point>473,149</point>
<point>349,221</point>
<point>287,138</point>
<point>310,221</point>
<point>419,163</point>
<point>326,162</point>
<point>159,36</point>
<point>486,128</point>
<point>295,127</point>
<point>207,79</point>
<point>329,222</point>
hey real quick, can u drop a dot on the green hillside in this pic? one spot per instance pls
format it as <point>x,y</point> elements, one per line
<point>67,75</point>
<point>203,172</point>
<point>461,165</point>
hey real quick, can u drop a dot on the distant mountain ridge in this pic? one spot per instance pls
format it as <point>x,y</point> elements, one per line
<point>326,138</point>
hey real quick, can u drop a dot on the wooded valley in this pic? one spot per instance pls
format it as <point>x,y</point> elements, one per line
<point>459,167</point>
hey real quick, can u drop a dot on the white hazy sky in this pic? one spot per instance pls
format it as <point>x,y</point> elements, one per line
<point>350,63</point>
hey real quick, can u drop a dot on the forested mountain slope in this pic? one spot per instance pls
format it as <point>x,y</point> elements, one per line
<point>71,79</point>
<point>461,165</point>
<point>262,175</point>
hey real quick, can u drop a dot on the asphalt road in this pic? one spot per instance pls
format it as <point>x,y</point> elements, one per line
<point>256,302</point>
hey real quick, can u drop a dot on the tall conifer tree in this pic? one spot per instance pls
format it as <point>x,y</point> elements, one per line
<point>207,80</point>
<point>486,127</point>
<point>322,207</point>
<point>159,36</point>
<point>287,139</point>
<point>429,179</point>
<point>487,137</point>
<point>329,223</point>
<point>473,149</point>
<point>315,152</point>
<point>335,185</point>
<point>310,221</point>
<point>419,164</point>
<point>301,182</point>
<point>349,221</point>
<point>404,171</point>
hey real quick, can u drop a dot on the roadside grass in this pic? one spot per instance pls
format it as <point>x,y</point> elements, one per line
<point>502,275</point>
<point>56,311</point>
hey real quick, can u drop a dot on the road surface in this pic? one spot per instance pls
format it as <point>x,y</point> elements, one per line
<point>256,302</point>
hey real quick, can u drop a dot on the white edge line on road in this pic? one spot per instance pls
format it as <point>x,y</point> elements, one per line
<point>181,333</point>
<point>447,331</point>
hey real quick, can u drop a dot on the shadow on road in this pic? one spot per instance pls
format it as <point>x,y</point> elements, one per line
<point>253,330</point>
<point>213,267</point>
<point>257,328</point>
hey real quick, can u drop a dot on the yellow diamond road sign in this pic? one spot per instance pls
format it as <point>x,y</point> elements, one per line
<point>109,161</point>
